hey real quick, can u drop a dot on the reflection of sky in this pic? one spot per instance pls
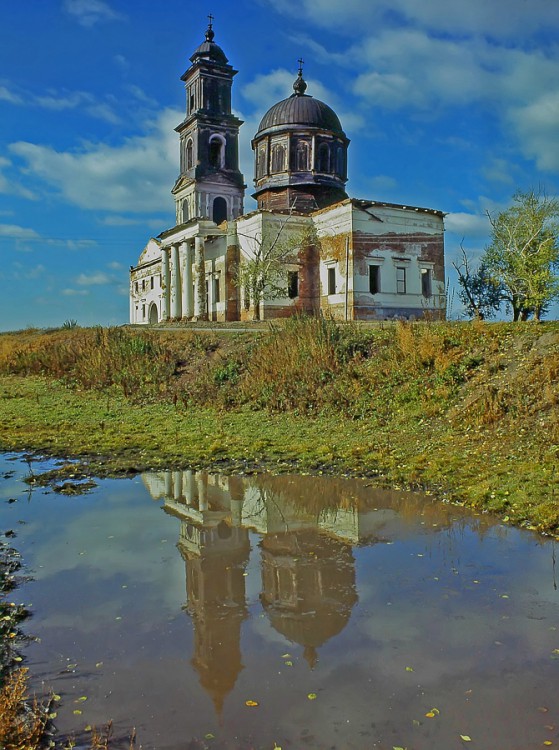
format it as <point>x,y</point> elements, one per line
<point>445,618</point>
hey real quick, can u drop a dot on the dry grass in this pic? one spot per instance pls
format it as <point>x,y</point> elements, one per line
<point>22,721</point>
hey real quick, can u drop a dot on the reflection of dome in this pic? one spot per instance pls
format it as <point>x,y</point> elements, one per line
<point>301,110</point>
<point>308,587</point>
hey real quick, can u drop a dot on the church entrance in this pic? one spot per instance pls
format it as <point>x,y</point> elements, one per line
<point>153,317</point>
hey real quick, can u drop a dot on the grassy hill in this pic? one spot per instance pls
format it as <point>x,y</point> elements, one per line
<point>467,410</point>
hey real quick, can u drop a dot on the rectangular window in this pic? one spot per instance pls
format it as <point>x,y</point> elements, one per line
<point>426,284</point>
<point>374,279</point>
<point>143,285</point>
<point>152,281</point>
<point>216,290</point>
<point>332,280</point>
<point>136,287</point>
<point>292,284</point>
<point>143,312</point>
<point>401,280</point>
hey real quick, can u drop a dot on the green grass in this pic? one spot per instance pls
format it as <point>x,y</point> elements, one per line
<point>468,410</point>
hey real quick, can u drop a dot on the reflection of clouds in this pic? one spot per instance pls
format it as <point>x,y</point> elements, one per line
<point>94,544</point>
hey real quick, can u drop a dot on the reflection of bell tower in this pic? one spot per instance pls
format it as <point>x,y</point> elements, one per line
<point>210,184</point>
<point>308,583</point>
<point>216,552</point>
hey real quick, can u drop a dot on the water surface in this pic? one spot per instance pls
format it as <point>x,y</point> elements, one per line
<point>354,618</point>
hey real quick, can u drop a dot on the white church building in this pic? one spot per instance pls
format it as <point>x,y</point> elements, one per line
<point>345,258</point>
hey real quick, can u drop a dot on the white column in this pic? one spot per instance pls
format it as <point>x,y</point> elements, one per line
<point>175,283</point>
<point>165,282</point>
<point>177,485</point>
<point>210,287</point>
<point>200,279</point>
<point>202,482</point>
<point>189,486</point>
<point>186,279</point>
<point>168,484</point>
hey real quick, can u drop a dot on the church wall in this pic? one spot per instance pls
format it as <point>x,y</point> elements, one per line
<point>145,284</point>
<point>407,247</point>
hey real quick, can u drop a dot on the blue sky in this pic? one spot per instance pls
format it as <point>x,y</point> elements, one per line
<point>448,104</point>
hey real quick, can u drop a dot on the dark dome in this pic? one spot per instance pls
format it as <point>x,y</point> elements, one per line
<point>301,110</point>
<point>210,50</point>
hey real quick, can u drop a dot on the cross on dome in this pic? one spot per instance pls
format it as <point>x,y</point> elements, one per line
<point>300,85</point>
<point>210,32</point>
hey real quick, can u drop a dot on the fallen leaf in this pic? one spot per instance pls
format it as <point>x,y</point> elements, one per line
<point>312,696</point>
<point>77,711</point>
<point>251,704</point>
<point>288,663</point>
<point>87,728</point>
<point>465,737</point>
<point>209,736</point>
<point>409,669</point>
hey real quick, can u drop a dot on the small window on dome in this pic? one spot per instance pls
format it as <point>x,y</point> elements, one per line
<point>323,158</point>
<point>278,158</point>
<point>261,161</point>
<point>302,156</point>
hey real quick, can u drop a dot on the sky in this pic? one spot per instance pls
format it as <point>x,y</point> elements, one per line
<point>449,105</point>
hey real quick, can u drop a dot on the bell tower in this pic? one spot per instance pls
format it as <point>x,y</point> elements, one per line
<point>210,184</point>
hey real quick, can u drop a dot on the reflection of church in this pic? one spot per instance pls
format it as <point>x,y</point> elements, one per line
<point>308,587</point>
<point>353,259</point>
<point>307,575</point>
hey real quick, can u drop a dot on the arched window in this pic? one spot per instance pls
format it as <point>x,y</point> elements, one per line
<point>261,161</point>
<point>302,156</point>
<point>219,210</point>
<point>217,152</point>
<point>185,211</point>
<point>189,156</point>
<point>340,165</point>
<point>323,158</point>
<point>278,157</point>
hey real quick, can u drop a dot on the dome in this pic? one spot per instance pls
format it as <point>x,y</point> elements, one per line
<point>300,154</point>
<point>302,110</point>
<point>209,50</point>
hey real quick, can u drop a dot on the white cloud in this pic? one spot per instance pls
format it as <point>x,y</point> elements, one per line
<point>498,18</point>
<point>133,176</point>
<point>90,12</point>
<point>537,123</point>
<point>467,225</point>
<point>16,232</point>
<point>75,292</point>
<point>115,265</point>
<point>9,96</point>
<point>24,272</point>
<point>98,278</point>
<point>9,186</point>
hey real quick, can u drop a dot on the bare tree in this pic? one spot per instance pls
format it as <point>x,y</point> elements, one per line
<point>479,293</point>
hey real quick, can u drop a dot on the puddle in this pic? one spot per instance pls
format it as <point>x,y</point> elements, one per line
<point>353,618</point>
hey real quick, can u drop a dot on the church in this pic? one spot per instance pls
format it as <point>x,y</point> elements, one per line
<point>306,248</point>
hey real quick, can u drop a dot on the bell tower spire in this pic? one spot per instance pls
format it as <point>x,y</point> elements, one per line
<point>210,184</point>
